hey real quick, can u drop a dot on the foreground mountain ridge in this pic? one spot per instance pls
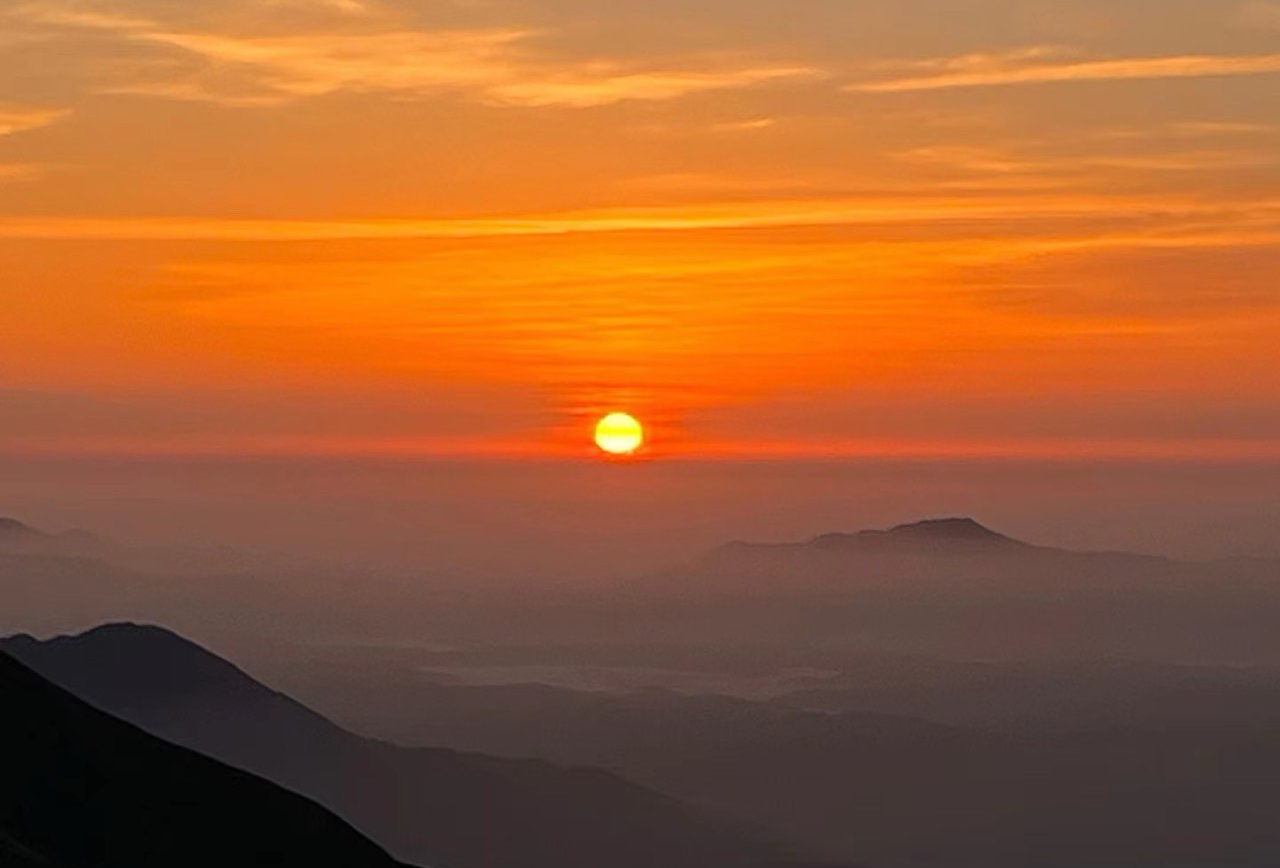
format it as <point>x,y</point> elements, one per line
<point>466,810</point>
<point>81,789</point>
<point>844,788</point>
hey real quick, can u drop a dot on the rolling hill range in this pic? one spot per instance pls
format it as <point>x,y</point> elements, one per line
<point>81,789</point>
<point>467,810</point>
<point>887,790</point>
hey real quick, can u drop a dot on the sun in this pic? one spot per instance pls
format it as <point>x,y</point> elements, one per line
<point>619,434</point>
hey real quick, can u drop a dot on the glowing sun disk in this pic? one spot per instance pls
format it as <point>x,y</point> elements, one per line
<point>619,434</point>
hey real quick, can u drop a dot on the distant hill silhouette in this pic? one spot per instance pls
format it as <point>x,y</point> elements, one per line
<point>11,529</point>
<point>948,587</point>
<point>930,537</point>
<point>890,791</point>
<point>1108,766</point>
<point>1053,695</point>
<point>15,534</point>
<point>956,588</point>
<point>81,789</point>
<point>469,811</point>
<point>944,534</point>
<point>17,537</point>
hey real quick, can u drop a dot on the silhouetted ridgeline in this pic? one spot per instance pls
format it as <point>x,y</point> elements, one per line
<point>80,789</point>
<point>844,788</point>
<point>471,811</point>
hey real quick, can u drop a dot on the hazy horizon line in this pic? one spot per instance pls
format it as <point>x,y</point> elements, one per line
<point>539,447</point>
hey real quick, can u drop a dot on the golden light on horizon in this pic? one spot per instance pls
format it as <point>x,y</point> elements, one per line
<point>699,231</point>
<point>619,434</point>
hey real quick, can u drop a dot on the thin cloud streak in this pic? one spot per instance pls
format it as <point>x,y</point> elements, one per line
<point>988,161</point>
<point>496,66</point>
<point>19,119</point>
<point>961,72</point>
<point>537,445</point>
<point>737,215</point>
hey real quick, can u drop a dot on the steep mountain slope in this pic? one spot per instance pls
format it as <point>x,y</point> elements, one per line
<point>471,811</point>
<point>80,789</point>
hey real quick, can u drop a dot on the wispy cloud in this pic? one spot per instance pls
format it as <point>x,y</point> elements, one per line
<point>745,126</point>
<point>587,87</point>
<point>17,119</point>
<point>1185,130</point>
<point>990,161</point>
<point>348,7</point>
<point>1038,66</point>
<point>965,158</point>
<point>889,209</point>
<point>498,66</point>
<point>1189,161</point>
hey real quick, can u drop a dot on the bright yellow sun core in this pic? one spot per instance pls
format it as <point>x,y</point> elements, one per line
<point>619,434</point>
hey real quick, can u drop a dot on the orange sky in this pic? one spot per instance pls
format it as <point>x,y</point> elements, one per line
<point>767,227</point>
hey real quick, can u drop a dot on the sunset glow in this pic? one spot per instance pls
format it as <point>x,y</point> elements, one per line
<point>668,433</point>
<point>465,226</point>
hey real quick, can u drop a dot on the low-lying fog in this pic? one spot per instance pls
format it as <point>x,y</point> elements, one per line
<point>511,521</point>
<point>417,556</point>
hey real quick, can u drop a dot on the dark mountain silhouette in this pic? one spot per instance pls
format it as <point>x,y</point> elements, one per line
<point>14,534</point>
<point>81,789</point>
<point>846,788</point>
<point>951,535</point>
<point>467,810</point>
<point>936,537</point>
<point>11,530</point>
